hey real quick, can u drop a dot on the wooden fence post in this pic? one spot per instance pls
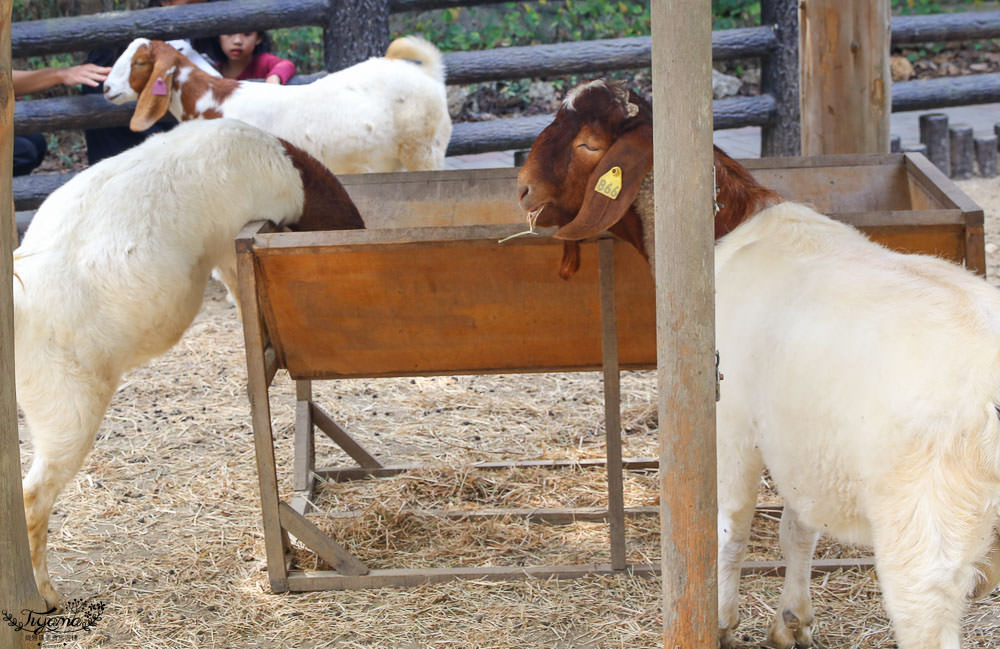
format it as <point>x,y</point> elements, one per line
<point>780,79</point>
<point>685,322</point>
<point>17,582</point>
<point>846,86</point>
<point>355,30</point>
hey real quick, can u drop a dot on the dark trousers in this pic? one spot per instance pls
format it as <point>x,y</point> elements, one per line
<point>29,151</point>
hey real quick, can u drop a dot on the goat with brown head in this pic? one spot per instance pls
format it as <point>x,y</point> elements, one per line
<point>599,126</point>
<point>586,170</point>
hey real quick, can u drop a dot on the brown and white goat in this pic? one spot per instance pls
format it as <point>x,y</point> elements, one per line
<point>384,114</point>
<point>113,269</point>
<point>866,381</point>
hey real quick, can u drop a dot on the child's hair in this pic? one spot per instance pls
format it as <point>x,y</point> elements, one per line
<point>210,46</point>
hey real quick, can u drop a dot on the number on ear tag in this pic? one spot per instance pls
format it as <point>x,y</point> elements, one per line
<point>159,86</point>
<point>610,184</point>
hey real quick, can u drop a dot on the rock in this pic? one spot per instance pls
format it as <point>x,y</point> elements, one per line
<point>724,85</point>
<point>901,68</point>
<point>751,76</point>
<point>544,92</point>
<point>456,100</point>
<point>991,248</point>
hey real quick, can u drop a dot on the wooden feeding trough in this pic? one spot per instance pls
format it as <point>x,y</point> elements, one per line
<point>428,290</point>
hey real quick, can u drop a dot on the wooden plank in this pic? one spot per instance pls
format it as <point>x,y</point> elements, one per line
<point>368,323</point>
<point>435,198</point>
<point>18,591</point>
<point>80,33</point>
<point>845,82</point>
<point>326,548</point>
<point>342,439</point>
<point>943,191</point>
<point>548,515</point>
<point>327,580</point>
<point>948,242</point>
<point>685,320</point>
<point>301,502</point>
<point>834,189</point>
<point>305,581</point>
<point>612,405</point>
<point>305,449</point>
<point>343,474</point>
<point>275,540</point>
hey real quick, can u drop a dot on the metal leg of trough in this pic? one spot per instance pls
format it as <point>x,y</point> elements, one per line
<point>612,404</point>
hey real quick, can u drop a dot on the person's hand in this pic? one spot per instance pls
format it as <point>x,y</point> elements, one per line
<point>273,79</point>
<point>88,74</point>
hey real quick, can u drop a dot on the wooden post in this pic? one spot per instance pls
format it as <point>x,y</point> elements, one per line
<point>18,591</point>
<point>986,155</point>
<point>961,151</point>
<point>846,85</point>
<point>934,135</point>
<point>685,312</point>
<point>780,79</point>
<point>355,30</point>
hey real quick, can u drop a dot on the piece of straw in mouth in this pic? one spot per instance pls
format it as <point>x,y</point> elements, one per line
<point>532,217</point>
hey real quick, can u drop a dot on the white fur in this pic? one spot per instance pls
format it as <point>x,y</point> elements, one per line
<point>112,271</point>
<point>379,115</point>
<point>184,47</point>
<point>866,381</point>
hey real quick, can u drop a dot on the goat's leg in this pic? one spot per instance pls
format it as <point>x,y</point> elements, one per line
<point>926,564</point>
<point>988,570</point>
<point>792,626</point>
<point>739,472</point>
<point>63,423</point>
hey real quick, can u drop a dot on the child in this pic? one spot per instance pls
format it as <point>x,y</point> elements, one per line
<point>246,56</point>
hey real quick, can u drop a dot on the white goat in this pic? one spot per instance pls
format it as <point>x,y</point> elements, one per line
<point>865,380</point>
<point>113,269</point>
<point>383,114</point>
<point>185,48</point>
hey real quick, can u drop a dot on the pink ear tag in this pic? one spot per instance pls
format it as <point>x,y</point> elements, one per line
<point>159,86</point>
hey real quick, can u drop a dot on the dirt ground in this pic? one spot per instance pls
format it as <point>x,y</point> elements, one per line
<point>163,527</point>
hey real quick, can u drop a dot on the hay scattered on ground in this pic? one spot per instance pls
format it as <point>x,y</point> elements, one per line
<point>163,524</point>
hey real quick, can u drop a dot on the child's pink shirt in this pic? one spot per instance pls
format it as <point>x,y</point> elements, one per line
<point>265,64</point>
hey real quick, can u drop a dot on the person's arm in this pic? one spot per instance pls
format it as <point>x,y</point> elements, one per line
<point>277,70</point>
<point>29,81</point>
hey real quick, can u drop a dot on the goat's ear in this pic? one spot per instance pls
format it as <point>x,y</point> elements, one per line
<point>154,100</point>
<point>570,263</point>
<point>612,185</point>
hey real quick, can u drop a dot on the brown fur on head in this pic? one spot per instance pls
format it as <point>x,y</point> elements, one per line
<point>600,125</point>
<point>737,194</point>
<point>151,62</point>
<point>160,60</point>
<point>326,205</point>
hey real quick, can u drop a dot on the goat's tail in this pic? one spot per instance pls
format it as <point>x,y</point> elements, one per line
<point>420,52</point>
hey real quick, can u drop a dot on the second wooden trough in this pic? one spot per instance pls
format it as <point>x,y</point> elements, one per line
<point>428,290</point>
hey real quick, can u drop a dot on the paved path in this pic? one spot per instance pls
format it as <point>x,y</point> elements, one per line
<point>745,142</point>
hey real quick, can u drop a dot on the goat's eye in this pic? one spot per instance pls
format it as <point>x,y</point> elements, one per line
<point>584,145</point>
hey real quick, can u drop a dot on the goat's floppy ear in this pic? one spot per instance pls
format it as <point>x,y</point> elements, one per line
<point>612,185</point>
<point>154,100</point>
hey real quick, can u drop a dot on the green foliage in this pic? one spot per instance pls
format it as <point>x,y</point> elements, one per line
<point>302,45</point>
<point>527,23</point>
<point>727,14</point>
<point>916,7</point>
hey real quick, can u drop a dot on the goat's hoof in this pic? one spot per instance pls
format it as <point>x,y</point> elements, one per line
<point>727,640</point>
<point>789,631</point>
<point>49,594</point>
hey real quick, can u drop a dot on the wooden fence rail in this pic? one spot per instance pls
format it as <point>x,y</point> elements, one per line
<point>775,43</point>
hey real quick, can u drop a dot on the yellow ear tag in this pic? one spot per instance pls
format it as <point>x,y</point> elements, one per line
<point>610,184</point>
